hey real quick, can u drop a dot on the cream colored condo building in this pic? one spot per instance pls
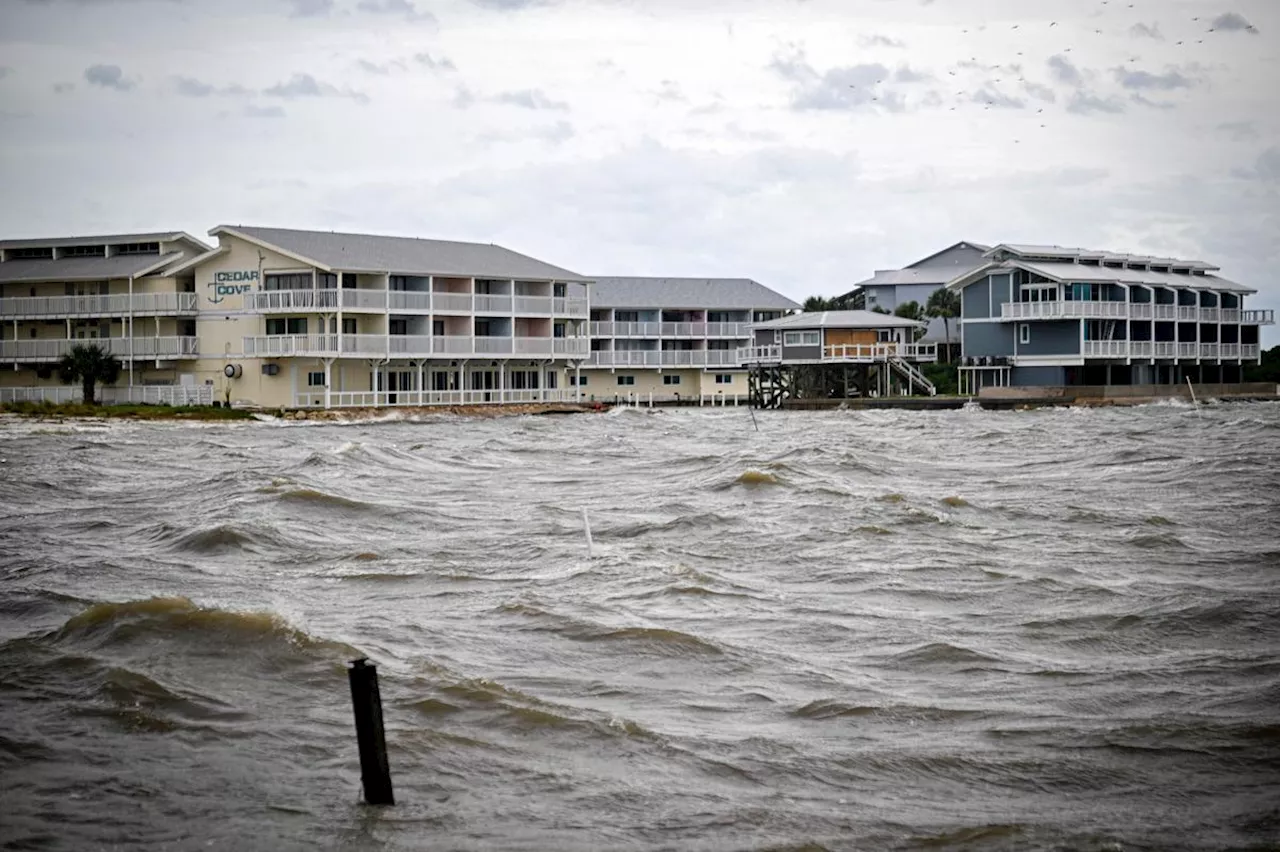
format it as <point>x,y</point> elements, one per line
<point>669,338</point>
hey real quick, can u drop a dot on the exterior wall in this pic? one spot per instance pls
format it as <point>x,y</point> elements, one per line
<point>1001,287</point>
<point>975,300</point>
<point>1050,338</point>
<point>987,338</point>
<point>1033,376</point>
<point>603,384</point>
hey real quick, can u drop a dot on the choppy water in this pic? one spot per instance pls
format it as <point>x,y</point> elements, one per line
<point>881,630</point>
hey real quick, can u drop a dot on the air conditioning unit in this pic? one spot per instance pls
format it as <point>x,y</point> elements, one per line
<point>270,369</point>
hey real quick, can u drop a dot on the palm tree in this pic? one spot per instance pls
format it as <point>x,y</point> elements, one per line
<point>912,311</point>
<point>88,365</point>
<point>945,304</point>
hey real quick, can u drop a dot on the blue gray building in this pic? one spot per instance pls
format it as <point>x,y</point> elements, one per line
<point>1051,316</point>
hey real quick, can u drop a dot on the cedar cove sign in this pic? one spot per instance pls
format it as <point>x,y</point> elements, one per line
<point>232,284</point>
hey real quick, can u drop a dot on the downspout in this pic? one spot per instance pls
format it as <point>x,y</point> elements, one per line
<point>130,316</point>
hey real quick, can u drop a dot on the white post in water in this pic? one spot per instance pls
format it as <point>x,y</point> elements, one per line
<point>586,527</point>
<point>1193,392</point>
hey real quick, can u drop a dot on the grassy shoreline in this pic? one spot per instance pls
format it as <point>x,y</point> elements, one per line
<point>131,411</point>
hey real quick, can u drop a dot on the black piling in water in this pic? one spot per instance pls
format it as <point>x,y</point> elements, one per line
<point>375,772</point>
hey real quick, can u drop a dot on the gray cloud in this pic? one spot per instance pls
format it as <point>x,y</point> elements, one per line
<point>839,88</point>
<point>311,8</point>
<point>255,111</point>
<point>553,134</point>
<point>192,88</point>
<point>529,99</point>
<point>63,88</point>
<point>1084,103</point>
<point>1145,80</point>
<point>1240,130</point>
<point>1064,71</point>
<point>108,77</point>
<point>509,5</point>
<point>991,97</point>
<point>441,64</point>
<point>381,70</point>
<point>1233,22</point>
<point>670,91</point>
<point>5,71</point>
<point>404,8</point>
<point>306,86</point>
<point>1266,168</point>
<point>877,40</point>
<point>1040,91</point>
<point>1141,30</point>
<point>1147,102</point>
<point>905,74</point>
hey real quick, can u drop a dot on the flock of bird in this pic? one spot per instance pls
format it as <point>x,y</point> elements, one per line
<point>1104,7</point>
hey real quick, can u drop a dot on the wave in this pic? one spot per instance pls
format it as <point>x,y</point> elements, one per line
<point>832,709</point>
<point>312,497</point>
<point>699,523</point>
<point>179,619</point>
<point>935,653</point>
<point>659,640</point>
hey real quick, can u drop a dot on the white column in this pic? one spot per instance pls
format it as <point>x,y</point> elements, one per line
<point>328,380</point>
<point>502,381</point>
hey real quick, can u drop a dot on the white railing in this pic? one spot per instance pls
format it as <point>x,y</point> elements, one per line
<point>112,304</point>
<point>1266,317</point>
<point>624,329</point>
<point>570,306</point>
<point>575,347</point>
<point>1141,310</point>
<point>453,345</point>
<point>1165,312</point>
<point>364,300</point>
<point>315,397</point>
<point>1208,350</point>
<point>869,352</point>
<point>1230,316</point>
<point>1209,314</point>
<point>499,304</point>
<point>493,345</point>
<point>1064,310</point>
<point>1228,350</point>
<point>451,302</point>
<point>364,344</point>
<point>1188,350</point>
<point>728,329</point>
<point>1164,349</point>
<point>1141,349</point>
<point>121,347</point>
<point>625,358</point>
<point>405,345</point>
<point>722,358</point>
<point>145,394</point>
<point>294,300</point>
<point>684,329</point>
<point>1250,351</point>
<point>409,300</point>
<point>759,355</point>
<point>1106,348</point>
<point>291,344</point>
<point>1187,313</point>
<point>532,304</point>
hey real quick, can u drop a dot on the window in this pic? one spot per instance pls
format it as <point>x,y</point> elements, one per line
<point>626,316</point>
<point>558,290</point>
<point>1024,333</point>
<point>84,251</point>
<point>626,380</point>
<point>30,253</point>
<point>395,326</point>
<point>292,281</point>
<point>275,325</point>
<point>802,338</point>
<point>287,325</point>
<point>724,379</point>
<point>578,381</point>
<point>437,328</point>
<point>315,380</point>
<point>136,248</point>
<point>669,379</point>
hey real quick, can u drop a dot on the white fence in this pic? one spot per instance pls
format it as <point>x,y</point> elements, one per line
<point>148,348</point>
<point>146,394</point>
<point>113,304</point>
<point>1132,310</point>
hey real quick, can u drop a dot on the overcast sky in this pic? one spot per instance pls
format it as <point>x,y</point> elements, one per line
<point>803,143</point>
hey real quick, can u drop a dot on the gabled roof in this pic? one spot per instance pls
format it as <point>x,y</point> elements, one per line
<point>1066,272</point>
<point>730,294</point>
<point>978,247</point>
<point>84,268</point>
<point>106,239</point>
<point>840,319</point>
<point>922,271</point>
<point>331,250</point>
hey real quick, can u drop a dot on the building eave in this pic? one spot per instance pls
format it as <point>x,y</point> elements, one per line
<point>260,243</point>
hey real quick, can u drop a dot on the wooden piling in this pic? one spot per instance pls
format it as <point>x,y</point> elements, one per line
<point>375,772</point>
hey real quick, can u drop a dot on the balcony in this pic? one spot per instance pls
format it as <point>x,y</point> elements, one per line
<point>1014,311</point>
<point>877,353</point>
<point>411,346</point>
<point>111,305</point>
<point>293,301</point>
<point>125,348</point>
<point>1124,349</point>
<point>408,300</point>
